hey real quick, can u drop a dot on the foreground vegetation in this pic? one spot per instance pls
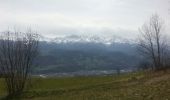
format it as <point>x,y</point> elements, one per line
<point>133,86</point>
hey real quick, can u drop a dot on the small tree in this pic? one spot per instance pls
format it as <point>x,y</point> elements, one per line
<point>17,52</point>
<point>152,42</point>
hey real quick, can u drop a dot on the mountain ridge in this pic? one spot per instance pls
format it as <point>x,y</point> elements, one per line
<point>107,40</point>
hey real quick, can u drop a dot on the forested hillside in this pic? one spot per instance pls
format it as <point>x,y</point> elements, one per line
<point>72,57</point>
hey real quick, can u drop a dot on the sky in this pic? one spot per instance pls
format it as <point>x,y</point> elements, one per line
<point>65,17</point>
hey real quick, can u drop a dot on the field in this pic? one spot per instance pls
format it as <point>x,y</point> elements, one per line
<point>133,86</point>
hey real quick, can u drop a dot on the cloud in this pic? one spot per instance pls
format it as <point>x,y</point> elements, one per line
<point>55,17</point>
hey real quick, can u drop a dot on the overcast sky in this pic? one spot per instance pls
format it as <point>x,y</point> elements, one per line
<point>63,17</point>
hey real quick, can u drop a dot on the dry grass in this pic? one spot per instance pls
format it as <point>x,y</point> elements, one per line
<point>133,86</point>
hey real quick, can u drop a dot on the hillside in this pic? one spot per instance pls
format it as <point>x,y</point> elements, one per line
<point>133,86</point>
<point>59,57</point>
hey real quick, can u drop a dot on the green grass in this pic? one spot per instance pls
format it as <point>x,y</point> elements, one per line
<point>133,86</point>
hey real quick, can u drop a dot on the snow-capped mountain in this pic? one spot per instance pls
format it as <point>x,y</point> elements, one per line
<point>77,53</point>
<point>88,39</point>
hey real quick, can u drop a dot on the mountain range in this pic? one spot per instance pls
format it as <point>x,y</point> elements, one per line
<point>75,53</point>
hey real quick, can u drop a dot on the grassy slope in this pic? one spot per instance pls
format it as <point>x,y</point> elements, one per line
<point>134,86</point>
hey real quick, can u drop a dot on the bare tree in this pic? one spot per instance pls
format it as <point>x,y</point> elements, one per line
<point>152,42</point>
<point>17,52</point>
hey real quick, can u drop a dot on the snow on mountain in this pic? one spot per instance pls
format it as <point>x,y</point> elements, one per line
<point>88,39</point>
